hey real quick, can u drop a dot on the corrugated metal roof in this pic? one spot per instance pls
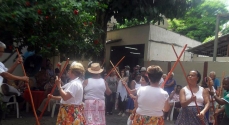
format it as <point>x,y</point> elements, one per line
<point>207,48</point>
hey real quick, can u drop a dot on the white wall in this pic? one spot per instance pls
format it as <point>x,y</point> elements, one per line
<point>164,52</point>
<point>160,41</point>
<point>18,71</point>
<point>218,59</point>
<point>160,34</point>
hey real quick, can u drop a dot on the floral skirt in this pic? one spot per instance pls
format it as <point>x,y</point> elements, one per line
<point>188,116</point>
<point>70,115</point>
<point>94,112</point>
<point>147,120</point>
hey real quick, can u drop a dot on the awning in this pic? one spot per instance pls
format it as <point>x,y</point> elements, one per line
<point>208,48</point>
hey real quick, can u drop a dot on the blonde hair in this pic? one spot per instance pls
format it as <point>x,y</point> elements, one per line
<point>77,68</point>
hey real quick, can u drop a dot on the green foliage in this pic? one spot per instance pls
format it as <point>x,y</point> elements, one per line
<point>199,22</point>
<point>77,26</point>
<point>129,23</point>
<point>66,25</point>
<point>209,39</point>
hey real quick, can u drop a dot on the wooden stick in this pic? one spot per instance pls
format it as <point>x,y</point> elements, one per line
<point>221,85</point>
<point>212,101</point>
<point>127,89</point>
<point>30,94</point>
<point>54,87</point>
<point>187,81</point>
<point>103,63</point>
<point>115,66</point>
<point>175,64</point>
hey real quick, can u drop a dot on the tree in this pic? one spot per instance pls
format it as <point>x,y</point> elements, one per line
<point>199,22</point>
<point>45,26</point>
<point>66,24</point>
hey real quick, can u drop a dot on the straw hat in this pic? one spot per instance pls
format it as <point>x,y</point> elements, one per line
<point>77,66</point>
<point>95,68</point>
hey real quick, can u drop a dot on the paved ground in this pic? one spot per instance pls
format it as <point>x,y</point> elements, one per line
<point>28,119</point>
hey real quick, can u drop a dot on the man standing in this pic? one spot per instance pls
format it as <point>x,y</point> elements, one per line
<point>5,89</point>
<point>223,101</point>
<point>214,79</point>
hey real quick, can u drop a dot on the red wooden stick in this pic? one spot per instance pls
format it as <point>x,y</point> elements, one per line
<point>187,82</point>
<point>103,63</point>
<point>30,94</point>
<point>54,87</point>
<point>115,66</point>
<point>174,65</point>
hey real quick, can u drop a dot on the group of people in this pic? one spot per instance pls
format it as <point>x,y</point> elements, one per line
<point>88,100</point>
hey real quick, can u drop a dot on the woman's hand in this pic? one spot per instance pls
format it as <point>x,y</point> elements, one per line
<point>193,98</point>
<point>209,81</point>
<point>50,96</point>
<point>133,97</point>
<point>19,60</point>
<point>123,82</point>
<point>211,93</point>
<point>58,82</point>
<point>201,115</point>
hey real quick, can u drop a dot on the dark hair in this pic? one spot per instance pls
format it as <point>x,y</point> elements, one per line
<point>179,86</point>
<point>57,70</point>
<point>198,75</point>
<point>43,68</point>
<point>68,67</point>
<point>154,73</point>
<point>146,78</point>
<point>124,72</point>
<point>136,74</point>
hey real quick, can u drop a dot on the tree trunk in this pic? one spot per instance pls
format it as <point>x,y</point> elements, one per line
<point>102,19</point>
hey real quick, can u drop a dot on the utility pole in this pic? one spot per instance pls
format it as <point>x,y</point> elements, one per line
<point>216,33</point>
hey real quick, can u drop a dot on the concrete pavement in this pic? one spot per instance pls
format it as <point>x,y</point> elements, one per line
<point>29,119</point>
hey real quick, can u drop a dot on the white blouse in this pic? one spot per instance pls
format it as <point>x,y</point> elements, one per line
<point>75,88</point>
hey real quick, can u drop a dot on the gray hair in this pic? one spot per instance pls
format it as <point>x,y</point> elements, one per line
<point>172,74</point>
<point>212,72</point>
<point>2,45</point>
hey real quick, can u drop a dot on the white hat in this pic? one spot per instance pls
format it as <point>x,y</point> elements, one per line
<point>95,68</point>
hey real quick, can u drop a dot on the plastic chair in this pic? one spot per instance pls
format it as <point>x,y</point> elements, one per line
<point>13,103</point>
<point>172,111</point>
<point>54,107</point>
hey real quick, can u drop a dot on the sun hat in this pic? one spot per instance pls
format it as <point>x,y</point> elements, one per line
<point>77,66</point>
<point>95,68</point>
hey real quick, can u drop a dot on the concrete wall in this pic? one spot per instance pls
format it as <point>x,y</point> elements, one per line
<point>218,59</point>
<point>18,71</point>
<point>129,36</point>
<point>218,67</point>
<point>188,66</point>
<point>163,35</point>
<point>164,52</point>
<point>160,48</point>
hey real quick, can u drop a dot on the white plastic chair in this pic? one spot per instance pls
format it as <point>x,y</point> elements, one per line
<point>54,107</point>
<point>13,103</point>
<point>172,111</point>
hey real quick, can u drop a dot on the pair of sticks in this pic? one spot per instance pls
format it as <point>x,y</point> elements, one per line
<point>30,94</point>
<point>175,64</point>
